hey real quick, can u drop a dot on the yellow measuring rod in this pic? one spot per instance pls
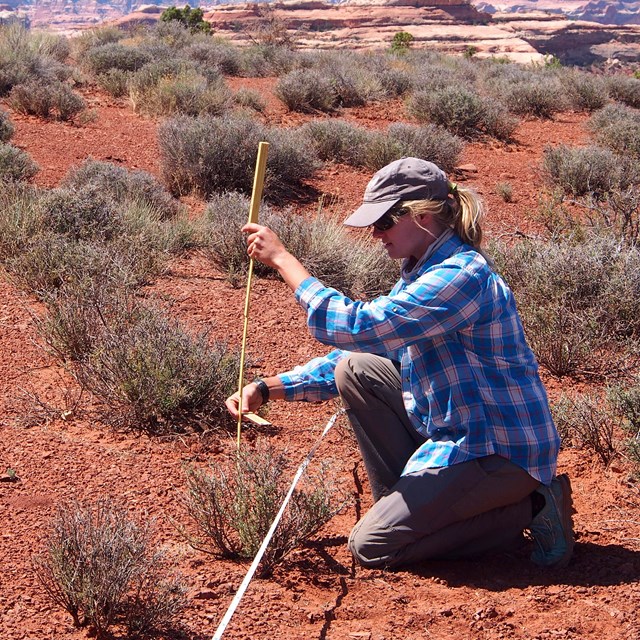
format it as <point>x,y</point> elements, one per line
<point>256,197</point>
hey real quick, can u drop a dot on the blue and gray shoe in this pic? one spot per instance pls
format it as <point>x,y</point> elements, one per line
<point>552,528</point>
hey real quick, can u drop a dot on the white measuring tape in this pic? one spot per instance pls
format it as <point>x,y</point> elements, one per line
<point>265,543</point>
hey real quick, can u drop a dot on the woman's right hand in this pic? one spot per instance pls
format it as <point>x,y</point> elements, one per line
<point>251,400</point>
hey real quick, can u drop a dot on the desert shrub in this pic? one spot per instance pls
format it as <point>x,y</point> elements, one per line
<point>617,127</point>
<point>429,142</point>
<point>15,165</point>
<point>587,422</point>
<point>585,91</point>
<point>577,298</point>
<point>579,171</point>
<point>115,55</point>
<point>625,89</point>
<point>154,376</point>
<point>251,99</point>
<point>353,83</point>
<point>209,155</point>
<point>234,505</point>
<point>6,127</point>
<point>461,111</point>
<point>115,82</point>
<point>93,38</point>
<point>338,140</point>
<point>102,568</point>
<point>268,59</point>
<point>525,91</point>
<point>307,91</point>
<point>122,185</point>
<point>347,262</point>
<point>625,400</point>
<point>187,93</point>
<point>216,54</point>
<point>505,191</point>
<point>45,100</point>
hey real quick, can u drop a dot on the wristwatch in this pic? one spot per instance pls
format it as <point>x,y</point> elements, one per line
<point>263,388</point>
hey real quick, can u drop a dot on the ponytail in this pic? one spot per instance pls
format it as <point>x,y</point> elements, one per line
<point>466,214</point>
<point>463,211</point>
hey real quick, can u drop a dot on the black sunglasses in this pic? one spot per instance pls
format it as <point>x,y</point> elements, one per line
<point>388,219</point>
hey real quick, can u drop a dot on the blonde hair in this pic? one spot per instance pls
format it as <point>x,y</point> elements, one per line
<point>463,211</point>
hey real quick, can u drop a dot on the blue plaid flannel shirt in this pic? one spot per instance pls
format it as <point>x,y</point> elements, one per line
<point>470,382</point>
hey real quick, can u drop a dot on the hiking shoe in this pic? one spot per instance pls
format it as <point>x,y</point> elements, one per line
<point>552,528</point>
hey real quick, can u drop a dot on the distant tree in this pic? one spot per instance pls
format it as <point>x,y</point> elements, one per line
<point>191,18</point>
<point>401,42</point>
<point>470,51</point>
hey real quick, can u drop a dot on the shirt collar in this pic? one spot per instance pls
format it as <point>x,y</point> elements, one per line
<point>439,248</point>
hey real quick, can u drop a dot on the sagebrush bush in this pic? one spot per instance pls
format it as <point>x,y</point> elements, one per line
<point>585,91</point>
<point>154,376</point>
<point>577,297</point>
<point>625,89</point>
<point>187,92</point>
<point>46,100</point>
<point>216,54</point>
<point>15,165</point>
<point>114,55</point>
<point>617,127</point>
<point>463,112</point>
<point>123,185</point>
<point>102,568</point>
<point>306,90</point>
<point>353,84</point>
<point>580,171</point>
<point>430,142</point>
<point>211,155</point>
<point>539,96</point>
<point>96,37</point>
<point>348,262</point>
<point>251,99</point>
<point>338,141</point>
<point>115,82</point>
<point>587,422</point>
<point>233,506</point>
<point>6,127</point>
<point>20,217</point>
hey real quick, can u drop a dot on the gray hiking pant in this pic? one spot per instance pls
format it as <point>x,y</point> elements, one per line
<point>460,511</point>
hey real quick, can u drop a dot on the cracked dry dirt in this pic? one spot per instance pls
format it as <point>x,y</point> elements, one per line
<point>317,593</point>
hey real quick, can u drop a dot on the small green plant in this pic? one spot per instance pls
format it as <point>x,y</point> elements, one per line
<point>193,19</point>
<point>505,191</point>
<point>101,567</point>
<point>470,51</point>
<point>401,42</point>
<point>234,505</point>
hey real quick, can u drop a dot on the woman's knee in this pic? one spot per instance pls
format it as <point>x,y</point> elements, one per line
<point>373,545</point>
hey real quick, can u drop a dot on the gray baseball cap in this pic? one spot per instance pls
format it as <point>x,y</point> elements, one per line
<point>405,179</point>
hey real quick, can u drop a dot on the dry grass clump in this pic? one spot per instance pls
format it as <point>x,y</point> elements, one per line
<point>233,506</point>
<point>102,568</point>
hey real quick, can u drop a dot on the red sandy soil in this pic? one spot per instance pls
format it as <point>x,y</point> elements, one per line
<point>317,593</point>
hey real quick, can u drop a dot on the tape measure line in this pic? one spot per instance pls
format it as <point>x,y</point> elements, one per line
<point>265,543</point>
